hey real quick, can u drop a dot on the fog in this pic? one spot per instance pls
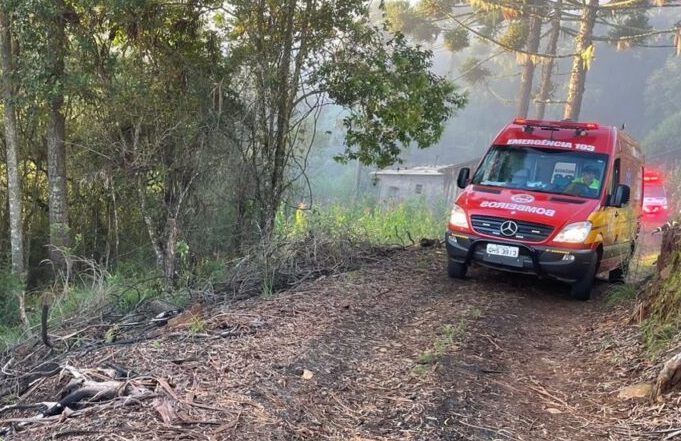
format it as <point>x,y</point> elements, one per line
<point>614,95</point>
<point>627,88</point>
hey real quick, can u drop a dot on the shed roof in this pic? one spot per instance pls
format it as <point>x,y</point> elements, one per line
<point>420,171</point>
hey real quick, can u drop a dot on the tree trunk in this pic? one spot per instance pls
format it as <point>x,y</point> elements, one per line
<point>527,76</point>
<point>284,107</point>
<point>12,144</point>
<point>546,87</point>
<point>170,261</point>
<point>149,222</point>
<point>276,101</point>
<point>581,62</point>
<point>14,192</point>
<point>56,149</point>
<point>669,376</point>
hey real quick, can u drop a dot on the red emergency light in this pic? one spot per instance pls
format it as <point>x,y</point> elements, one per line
<point>557,124</point>
<point>652,176</point>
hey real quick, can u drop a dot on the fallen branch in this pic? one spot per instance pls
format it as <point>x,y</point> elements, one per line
<point>81,391</point>
<point>88,391</point>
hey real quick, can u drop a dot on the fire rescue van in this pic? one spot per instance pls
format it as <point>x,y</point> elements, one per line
<point>654,196</point>
<point>558,199</point>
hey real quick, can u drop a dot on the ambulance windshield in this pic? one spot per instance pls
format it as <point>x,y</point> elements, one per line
<point>544,170</point>
<point>654,191</point>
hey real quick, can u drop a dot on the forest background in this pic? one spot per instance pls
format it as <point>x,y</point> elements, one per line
<point>155,148</point>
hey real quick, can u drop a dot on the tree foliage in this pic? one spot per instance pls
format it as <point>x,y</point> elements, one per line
<point>515,26</point>
<point>393,98</point>
<point>189,123</point>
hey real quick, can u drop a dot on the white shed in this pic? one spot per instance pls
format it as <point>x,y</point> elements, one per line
<point>432,183</point>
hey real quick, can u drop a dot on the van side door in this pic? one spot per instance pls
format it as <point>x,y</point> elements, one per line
<point>623,220</point>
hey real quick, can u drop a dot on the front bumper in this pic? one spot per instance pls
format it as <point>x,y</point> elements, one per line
<point>558,263</point>
<point>654,210</point>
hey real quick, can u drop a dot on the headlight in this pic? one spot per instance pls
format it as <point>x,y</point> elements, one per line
<point>458,217</point>
<point>574,233</point>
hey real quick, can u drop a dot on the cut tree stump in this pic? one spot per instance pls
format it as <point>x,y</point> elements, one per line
<point>669,377</point>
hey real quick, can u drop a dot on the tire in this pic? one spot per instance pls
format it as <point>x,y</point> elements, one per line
<point>456,270</point>
<point>581,289</point>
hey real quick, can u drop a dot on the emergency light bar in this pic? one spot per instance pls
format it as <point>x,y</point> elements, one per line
<point>651,176</point>
<point>557,124</point>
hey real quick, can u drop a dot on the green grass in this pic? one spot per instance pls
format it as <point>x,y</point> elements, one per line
<point>426,358</point>
<point>388,223</point>
<point>136,280</point>
<point>623,294</point>
<point>445,341</point>
<point>657,336</point>
<point>10,336</point>
<point>643,266</point>
<point>475,312</point>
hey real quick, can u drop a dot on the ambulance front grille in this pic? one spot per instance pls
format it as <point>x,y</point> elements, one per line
<point>527,231</point>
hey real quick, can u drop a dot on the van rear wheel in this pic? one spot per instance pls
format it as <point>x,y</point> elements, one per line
<point>581,289</point>
<point>456,270</point>
<point>618,274</point>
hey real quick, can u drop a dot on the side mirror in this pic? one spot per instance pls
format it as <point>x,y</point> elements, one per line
<point>464,177</point>
<point>620,196</point>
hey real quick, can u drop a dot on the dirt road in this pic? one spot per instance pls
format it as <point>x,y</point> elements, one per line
<point>393,351</point>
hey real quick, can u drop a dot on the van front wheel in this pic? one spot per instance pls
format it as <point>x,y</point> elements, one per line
<point>581,289</point>
<point>457,270</point>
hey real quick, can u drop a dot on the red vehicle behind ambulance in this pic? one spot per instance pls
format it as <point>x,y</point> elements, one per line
<point>655,202</point>
<point>558,199</point>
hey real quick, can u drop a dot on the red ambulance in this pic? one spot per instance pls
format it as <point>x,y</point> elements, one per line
<point>655,202</point>
<point>558,199</point>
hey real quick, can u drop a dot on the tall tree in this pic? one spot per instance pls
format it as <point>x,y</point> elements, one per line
<point>515,27</point>
<point>41,33</point>
<point>9,96</point>
<point>584,55</point>
<point>530,58</point>
<point>547,87</point>
<point>11,143</point>
<point>60,237</point>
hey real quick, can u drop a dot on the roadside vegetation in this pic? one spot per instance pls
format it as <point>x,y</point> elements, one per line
<point>659,307</point>
<point>307,243</point>
<point>653,285</point>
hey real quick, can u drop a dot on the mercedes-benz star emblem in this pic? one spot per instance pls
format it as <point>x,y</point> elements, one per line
<point>509,228</point>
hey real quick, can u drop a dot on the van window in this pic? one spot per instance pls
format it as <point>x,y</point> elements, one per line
<point>540,169</point>
<point>615,175</point>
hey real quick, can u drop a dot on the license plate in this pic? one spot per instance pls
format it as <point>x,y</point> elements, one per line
<point>502,250</point>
